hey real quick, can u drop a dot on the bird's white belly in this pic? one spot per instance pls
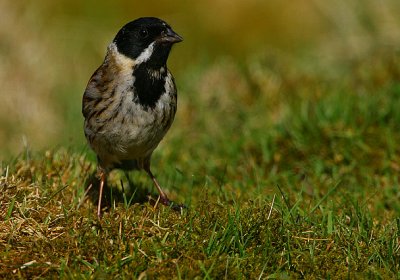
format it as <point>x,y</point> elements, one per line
<point>142,130</point>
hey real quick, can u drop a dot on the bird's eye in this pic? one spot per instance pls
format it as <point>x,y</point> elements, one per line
<point>143,33</point>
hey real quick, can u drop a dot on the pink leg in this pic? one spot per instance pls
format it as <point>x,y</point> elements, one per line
<point>163,197</point>
<point>102,182</point>
<point>145,164</point>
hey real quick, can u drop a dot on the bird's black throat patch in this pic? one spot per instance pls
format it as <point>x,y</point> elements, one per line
<point>148,88</point>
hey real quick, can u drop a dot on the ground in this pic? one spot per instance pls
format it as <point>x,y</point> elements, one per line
<point>284,148</point>
<point>285,175</point>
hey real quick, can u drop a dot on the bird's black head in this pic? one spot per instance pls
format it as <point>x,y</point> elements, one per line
<point>147,40</point>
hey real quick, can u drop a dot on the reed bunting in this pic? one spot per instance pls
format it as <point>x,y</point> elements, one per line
<point>130,101</point>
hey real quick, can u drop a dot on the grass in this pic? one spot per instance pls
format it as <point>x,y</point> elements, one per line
<point>284,147</point>
<point>287,173</point>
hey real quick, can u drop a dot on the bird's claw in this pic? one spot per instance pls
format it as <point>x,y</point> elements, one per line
<point>174,206</point>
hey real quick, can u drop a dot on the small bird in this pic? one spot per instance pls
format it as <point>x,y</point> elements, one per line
<point>131,99</point>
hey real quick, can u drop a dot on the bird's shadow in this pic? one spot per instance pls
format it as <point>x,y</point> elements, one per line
<point>128,195</point>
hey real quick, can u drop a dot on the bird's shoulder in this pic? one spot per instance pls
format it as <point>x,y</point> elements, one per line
<point>116,69</point>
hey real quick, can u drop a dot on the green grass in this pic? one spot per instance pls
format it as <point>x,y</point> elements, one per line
<point>287,173</point>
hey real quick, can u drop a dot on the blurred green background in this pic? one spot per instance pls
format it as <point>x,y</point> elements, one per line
<point>49,49</point>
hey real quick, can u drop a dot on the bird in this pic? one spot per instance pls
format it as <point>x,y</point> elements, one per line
<point>130,101</point>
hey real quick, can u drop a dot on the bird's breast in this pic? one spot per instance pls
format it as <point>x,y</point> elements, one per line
<point>141,120</point>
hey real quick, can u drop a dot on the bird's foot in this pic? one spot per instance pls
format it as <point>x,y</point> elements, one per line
<point>165,200</point>
<point>174,206</point>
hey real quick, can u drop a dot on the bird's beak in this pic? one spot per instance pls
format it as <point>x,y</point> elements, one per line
<point>170,37</point>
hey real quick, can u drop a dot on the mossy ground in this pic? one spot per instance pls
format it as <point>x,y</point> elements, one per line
<point>286,175</point>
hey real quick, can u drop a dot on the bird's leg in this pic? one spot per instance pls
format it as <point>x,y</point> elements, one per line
<point>163,197</point>
<point>103,178</point>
